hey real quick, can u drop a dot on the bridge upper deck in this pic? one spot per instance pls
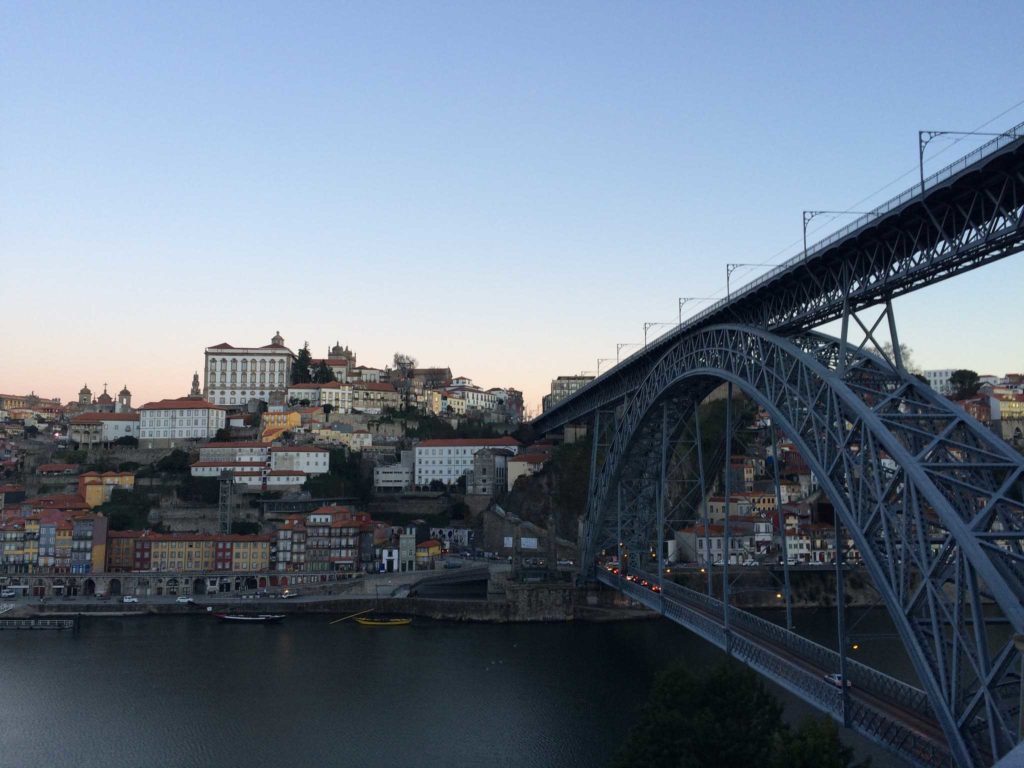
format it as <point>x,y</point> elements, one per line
<point>970,213</point>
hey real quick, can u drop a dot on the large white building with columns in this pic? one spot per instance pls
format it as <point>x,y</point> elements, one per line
<point>236,375</point>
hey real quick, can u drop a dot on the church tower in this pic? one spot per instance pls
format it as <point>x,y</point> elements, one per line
<point>278,340</point>
<point>85,395</point>
<point>195,386</point>
<point>124,400</point>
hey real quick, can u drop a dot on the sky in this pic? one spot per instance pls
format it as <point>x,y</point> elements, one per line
<point>509,189</point>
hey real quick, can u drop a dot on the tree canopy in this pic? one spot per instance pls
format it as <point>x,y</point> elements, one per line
<point>301,368</point>
<point>727,719</point>
<point>965,384</point>
<point>322,373</point>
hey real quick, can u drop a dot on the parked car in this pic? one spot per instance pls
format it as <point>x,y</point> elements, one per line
<point>184,599</point>
<point>129,599</point>
<point>8,593</point>
<point>288,594</point>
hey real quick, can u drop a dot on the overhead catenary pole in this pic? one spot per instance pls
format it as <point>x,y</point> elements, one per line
<point>809,215</point>
<point>925,137</point>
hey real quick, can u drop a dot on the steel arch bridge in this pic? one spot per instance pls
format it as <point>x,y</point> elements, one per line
<point>931,499</point>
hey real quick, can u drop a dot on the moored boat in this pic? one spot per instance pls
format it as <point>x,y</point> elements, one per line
<point>394,622</point>
<point>250,618</point>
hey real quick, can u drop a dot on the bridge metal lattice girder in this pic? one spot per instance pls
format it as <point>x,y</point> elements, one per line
<point>973,218</point>
<point>932,500</point>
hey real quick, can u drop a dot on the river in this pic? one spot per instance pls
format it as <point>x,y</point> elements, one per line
<point>185,692</point>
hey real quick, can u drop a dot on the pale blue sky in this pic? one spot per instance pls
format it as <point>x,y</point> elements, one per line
<point>509,189</point>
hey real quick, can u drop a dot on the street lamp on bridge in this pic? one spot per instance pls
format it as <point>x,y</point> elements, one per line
<point>684,299</point>
<point>809,215</point>
<point>730,268</point>
<point>924,137</point>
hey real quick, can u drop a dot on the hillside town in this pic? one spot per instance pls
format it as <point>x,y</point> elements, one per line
<point>279,468</point>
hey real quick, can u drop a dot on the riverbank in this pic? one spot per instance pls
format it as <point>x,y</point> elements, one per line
<point>517,603</point>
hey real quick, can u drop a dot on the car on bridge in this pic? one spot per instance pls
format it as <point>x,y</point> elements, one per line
<point>129,599</point>
<point>836,679</point>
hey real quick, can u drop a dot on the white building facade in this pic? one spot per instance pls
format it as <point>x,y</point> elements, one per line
<point>448,460</point>
<point>170,422</point>
<point>939,380</point>
<point>236,375</point>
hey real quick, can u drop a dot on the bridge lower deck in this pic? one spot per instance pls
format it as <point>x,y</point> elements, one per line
<point>887,711</point>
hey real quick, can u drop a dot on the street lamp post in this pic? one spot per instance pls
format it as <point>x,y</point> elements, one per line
<point>924,137</point>
<point>602,360</point>
<point>730,268</point>
<point>809,215</point>
<point>684,299</point>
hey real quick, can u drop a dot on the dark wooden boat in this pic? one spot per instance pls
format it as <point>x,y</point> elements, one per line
<point>250,618</point>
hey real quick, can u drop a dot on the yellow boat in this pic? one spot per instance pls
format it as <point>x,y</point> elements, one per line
<point>382,622</point>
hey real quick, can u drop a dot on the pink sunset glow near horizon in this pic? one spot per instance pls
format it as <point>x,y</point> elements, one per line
<point>506,190</point>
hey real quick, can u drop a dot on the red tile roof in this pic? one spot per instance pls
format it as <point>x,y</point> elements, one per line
<point>180,403</point>
<point>242,444</point>
<point>297,449</point>
<point>376,386</point>
<point>95,418</point>
<point>229,464</point>
<point>467,442</point>
<point>56,468</point>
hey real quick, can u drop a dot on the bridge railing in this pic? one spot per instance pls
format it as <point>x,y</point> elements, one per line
<point>860,675</point>
<point>809,685</point>
<point>962,163</point>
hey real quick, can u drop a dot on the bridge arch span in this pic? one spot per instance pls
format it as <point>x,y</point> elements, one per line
<point>932,500</point>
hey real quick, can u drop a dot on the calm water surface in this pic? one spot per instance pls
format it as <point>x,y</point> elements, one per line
<point>184,692</point>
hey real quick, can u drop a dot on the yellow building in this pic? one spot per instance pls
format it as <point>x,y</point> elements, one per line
<point>181,552</point>
<point>63,545</point>
<point>431,401</point>
<point>281,419</point>
<point>250,553</point>
<point>96,488</point>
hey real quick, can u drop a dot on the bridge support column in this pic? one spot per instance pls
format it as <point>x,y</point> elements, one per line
<point>725,529</point>
<point>782,530</point>
<point>662,499</point>
<point>703,497</point>
<point>618,531</point>
<point>841,619</point>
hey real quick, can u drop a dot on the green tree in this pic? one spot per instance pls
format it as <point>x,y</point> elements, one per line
<point>815,744</point>
<point>327,409</point>
<point>223,435</point>
<point>965,384</point>
<point>322,374</point>
<point>126,510</point>
<point>726,719</point>
<point>245,527</point>
<point>303,362</point>
<point>175,461</point>
<point>128,441</point>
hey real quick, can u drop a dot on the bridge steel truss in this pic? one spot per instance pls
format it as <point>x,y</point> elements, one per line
<point>933,501</point>
<point>970,214</point>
